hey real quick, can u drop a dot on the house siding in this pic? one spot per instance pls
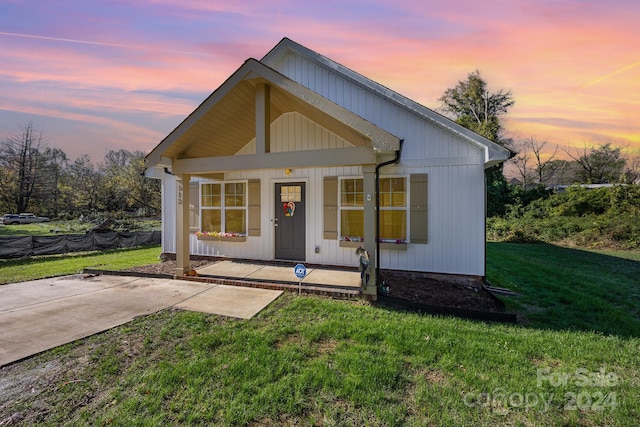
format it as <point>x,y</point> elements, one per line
<point>455,225</point>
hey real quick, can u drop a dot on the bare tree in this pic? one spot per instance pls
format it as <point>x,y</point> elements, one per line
<point>20,160</point>
<point>542,161</point>
<point>522,162</point>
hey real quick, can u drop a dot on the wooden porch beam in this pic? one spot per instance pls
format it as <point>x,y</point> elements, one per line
<point>293,159</point>
<point>263,114</point>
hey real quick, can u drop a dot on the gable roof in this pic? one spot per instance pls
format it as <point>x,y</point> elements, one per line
<point>226,120</point>
<point>494,153</point>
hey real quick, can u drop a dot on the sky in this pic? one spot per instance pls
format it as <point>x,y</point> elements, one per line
<point>98,75</point>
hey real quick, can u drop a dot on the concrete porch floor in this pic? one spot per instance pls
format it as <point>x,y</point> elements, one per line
<point>319,280</point>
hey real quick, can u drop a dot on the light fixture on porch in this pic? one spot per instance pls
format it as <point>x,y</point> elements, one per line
<point>287,171</point>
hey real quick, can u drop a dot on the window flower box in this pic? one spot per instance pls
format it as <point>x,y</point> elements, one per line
<point>221,237</point>
<point>351,241</point>
<point>354,242</point>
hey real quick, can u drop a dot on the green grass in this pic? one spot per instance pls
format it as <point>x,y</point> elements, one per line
<point>564,288</point>
<point>75,227</point>
<point>21,270</point>
<point>43,229</point>
<point>316,361</point>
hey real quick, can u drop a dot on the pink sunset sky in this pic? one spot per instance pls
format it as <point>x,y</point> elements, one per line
<point>100,75</point>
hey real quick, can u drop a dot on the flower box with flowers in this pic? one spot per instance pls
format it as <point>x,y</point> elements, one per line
<point>356,241</point>
<point>351,241</point>
<point>221,237</point>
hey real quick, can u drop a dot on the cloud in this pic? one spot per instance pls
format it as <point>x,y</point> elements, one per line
<point>140,67</point>
<point>98,43</point>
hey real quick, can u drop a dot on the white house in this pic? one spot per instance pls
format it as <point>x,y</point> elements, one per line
<point>289,157</point>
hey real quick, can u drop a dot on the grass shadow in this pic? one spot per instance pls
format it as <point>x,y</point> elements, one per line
<point>569,289</point>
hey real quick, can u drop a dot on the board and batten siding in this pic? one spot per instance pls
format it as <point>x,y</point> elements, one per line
<point>295,132</point>
<point>456,192</point>
<point>455,223</point>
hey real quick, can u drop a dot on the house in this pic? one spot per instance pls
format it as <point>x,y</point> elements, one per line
<point>289,157</point>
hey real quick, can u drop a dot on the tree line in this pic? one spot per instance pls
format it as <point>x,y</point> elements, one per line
<point>537,163</point>
<point>37,178</point>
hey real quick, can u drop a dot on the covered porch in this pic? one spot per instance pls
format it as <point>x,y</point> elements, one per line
<point>231,132</point>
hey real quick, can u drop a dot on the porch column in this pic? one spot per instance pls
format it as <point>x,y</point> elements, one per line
<point>369,187</point>
<point>182,224</point>
<point>263,118</point>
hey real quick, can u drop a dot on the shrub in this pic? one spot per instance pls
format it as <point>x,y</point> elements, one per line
<point>600,217</point>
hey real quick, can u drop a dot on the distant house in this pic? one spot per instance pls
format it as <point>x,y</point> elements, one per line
<point>289,157</point>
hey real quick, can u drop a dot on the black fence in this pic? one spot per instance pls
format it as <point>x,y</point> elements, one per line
<point>20,247</point>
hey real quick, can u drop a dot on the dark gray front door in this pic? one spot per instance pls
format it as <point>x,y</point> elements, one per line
<point>290,221</point>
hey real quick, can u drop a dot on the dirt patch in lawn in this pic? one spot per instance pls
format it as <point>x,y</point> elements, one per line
<point>166,267</point>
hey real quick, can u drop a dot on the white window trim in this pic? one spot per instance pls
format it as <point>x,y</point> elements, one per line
<point>404,208</point>
<point>407,203</point>
<point>223,207</point>
<point>350,208</point>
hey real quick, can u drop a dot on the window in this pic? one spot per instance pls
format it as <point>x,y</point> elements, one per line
<point>291,193</point>
<point>223,207</point>
<point>393,209</point>
<point>352,209</point>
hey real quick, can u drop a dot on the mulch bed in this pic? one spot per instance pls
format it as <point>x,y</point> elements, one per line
<point>423,290</point>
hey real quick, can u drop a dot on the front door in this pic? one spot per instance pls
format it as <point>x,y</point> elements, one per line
<point>289,221</point>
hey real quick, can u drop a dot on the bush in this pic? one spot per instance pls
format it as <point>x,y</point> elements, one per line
<point>602,217</point>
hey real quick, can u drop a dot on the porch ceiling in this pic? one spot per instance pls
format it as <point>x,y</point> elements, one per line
<point>226,121</point>
<point>231,124</point>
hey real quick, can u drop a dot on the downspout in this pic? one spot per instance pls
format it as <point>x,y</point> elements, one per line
<point>378,167</point>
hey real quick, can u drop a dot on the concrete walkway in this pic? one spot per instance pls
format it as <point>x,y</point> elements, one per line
<point>43,314</point>
<point>276,273</point>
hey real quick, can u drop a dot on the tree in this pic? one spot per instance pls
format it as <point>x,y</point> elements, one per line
<point>533,165</point>
<point>522,162</point>
<point>81,187</point>
<point>543,164</point>
<point>145,193</point>
<point>561,172</point>
<point>48,192</point>
<point>602,165</point>
<point>125,184</point>
<point>112,168</point>
<point>471,105</point>
<point>20,159</point>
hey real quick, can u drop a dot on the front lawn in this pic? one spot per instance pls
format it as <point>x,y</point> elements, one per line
<point>317,361</point>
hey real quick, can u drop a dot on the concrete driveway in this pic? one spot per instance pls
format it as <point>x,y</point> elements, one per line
<point>43,314</point>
